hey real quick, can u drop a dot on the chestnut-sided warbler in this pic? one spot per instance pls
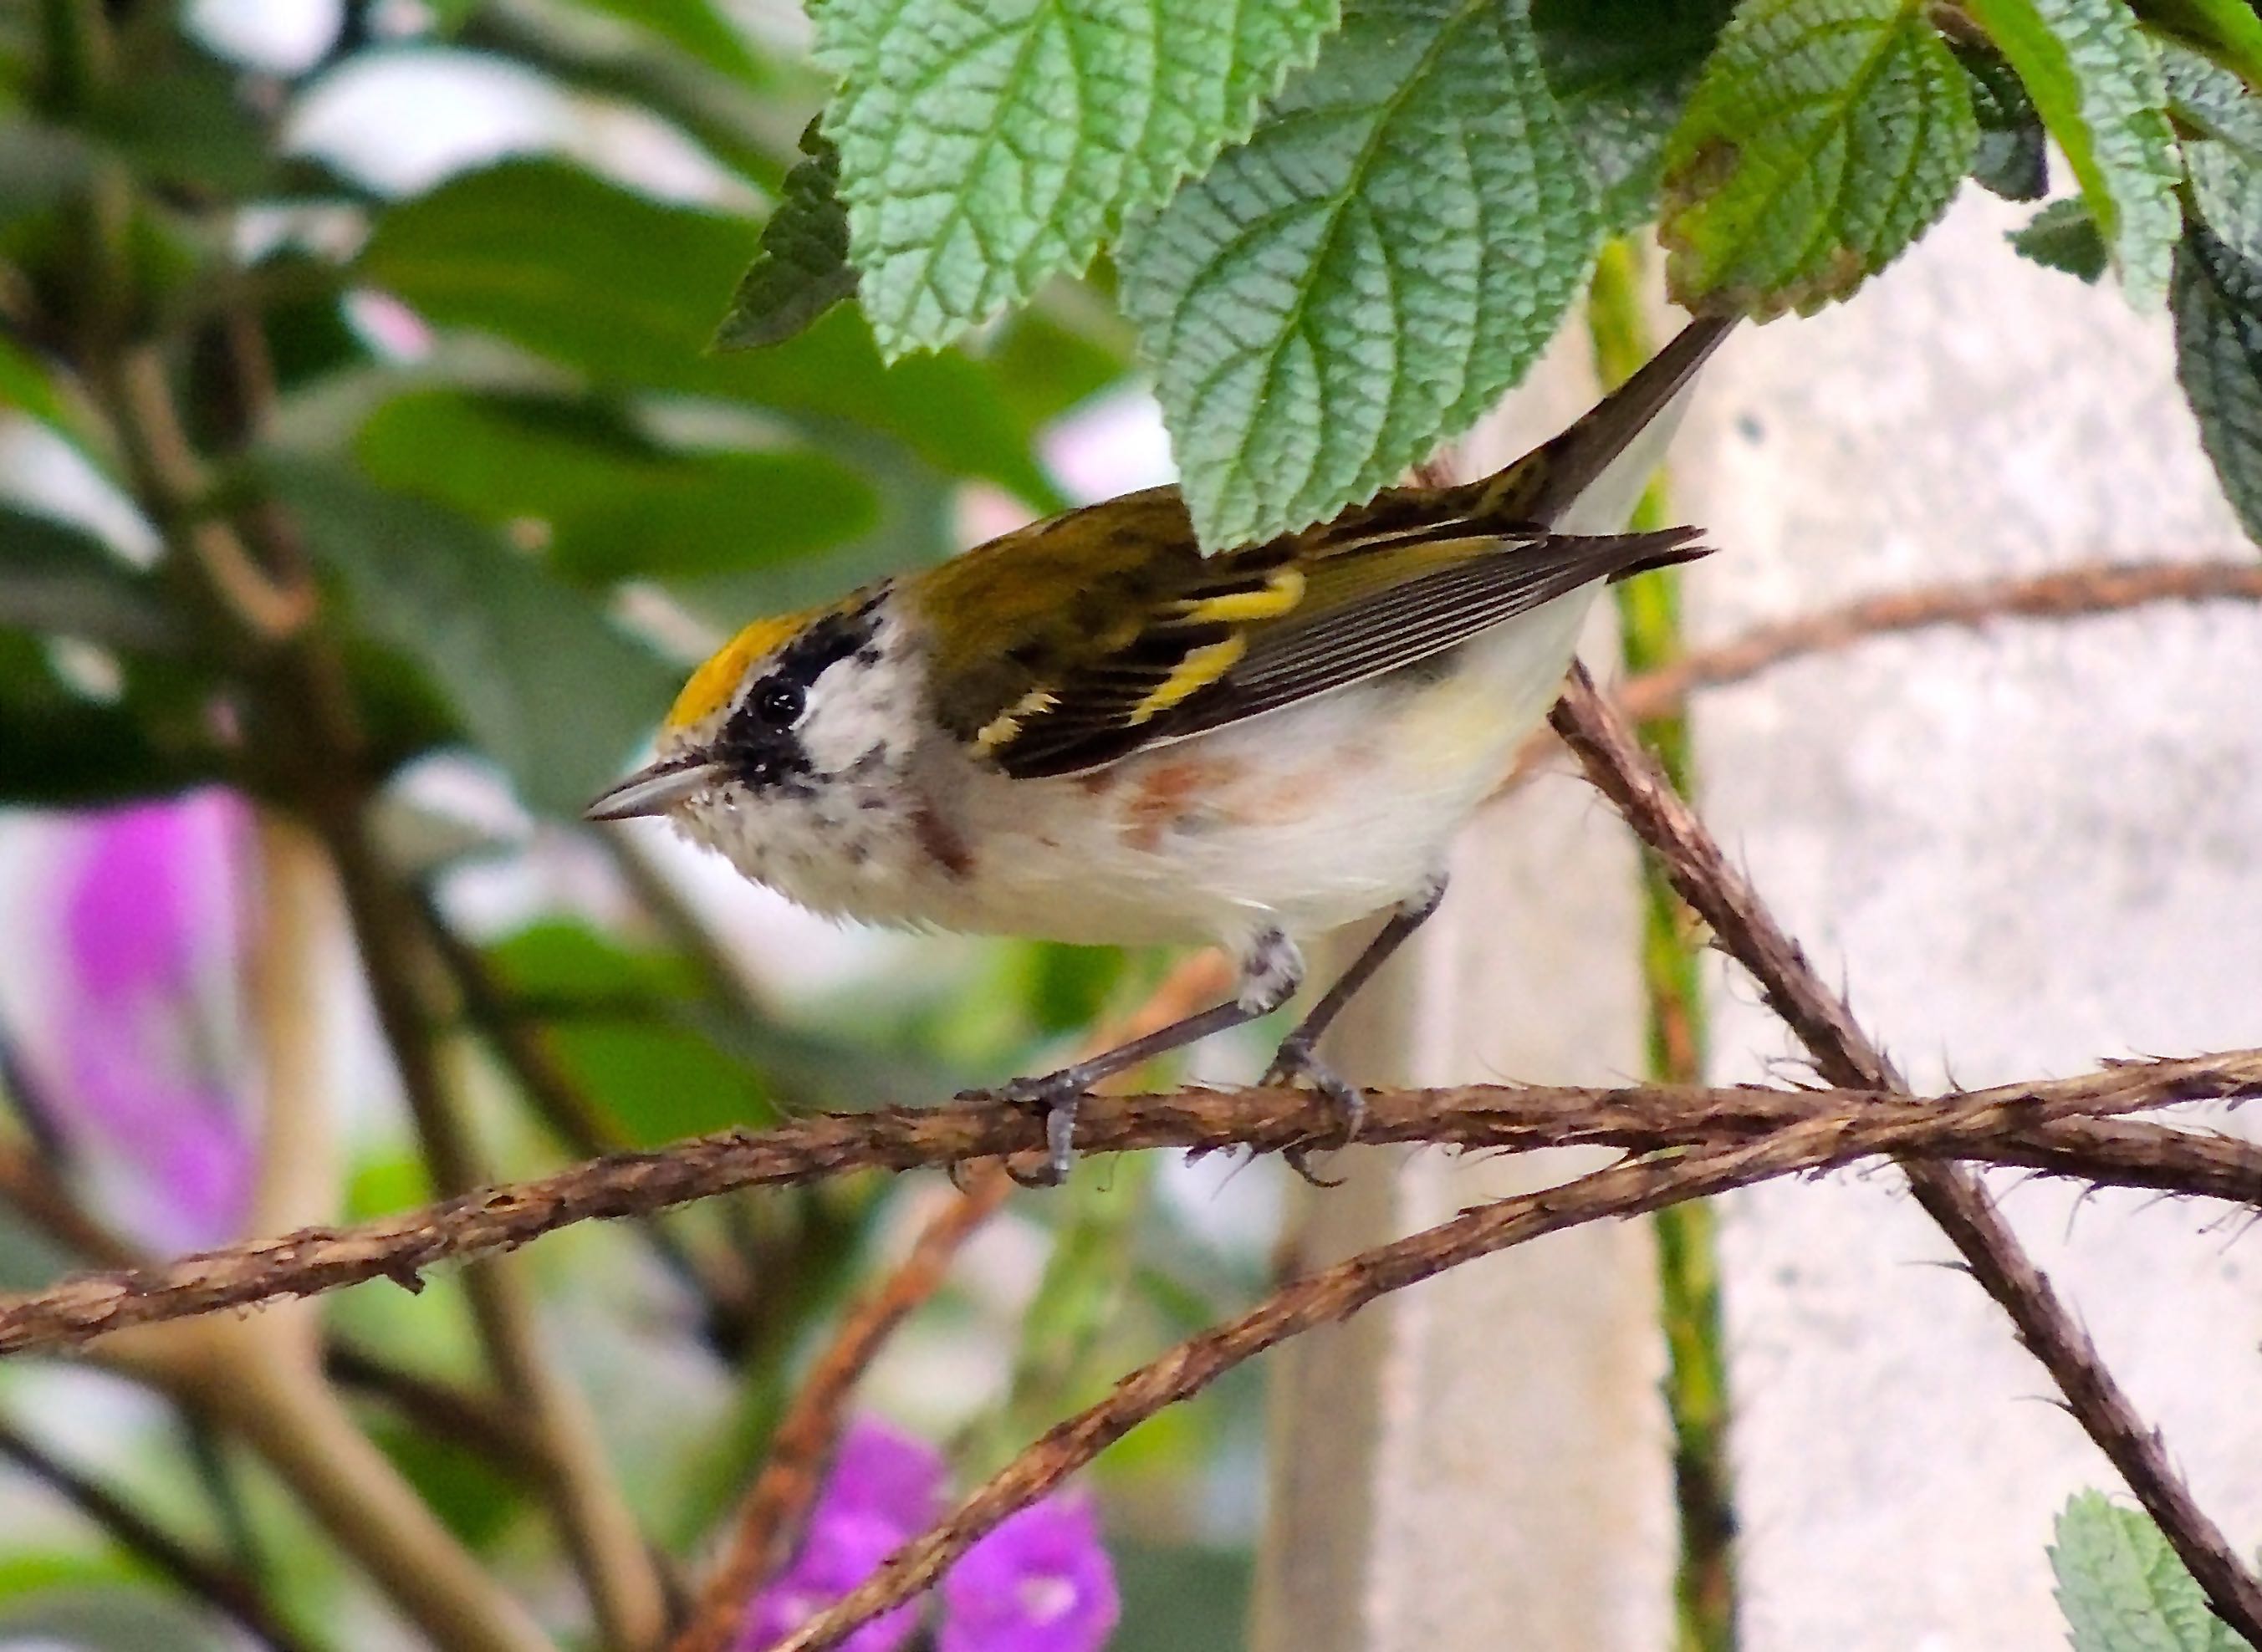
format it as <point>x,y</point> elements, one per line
<point>1085,730</point>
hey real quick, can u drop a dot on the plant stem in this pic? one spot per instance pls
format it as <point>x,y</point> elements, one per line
<point>226,1589</point>
<point>1697,1372</point>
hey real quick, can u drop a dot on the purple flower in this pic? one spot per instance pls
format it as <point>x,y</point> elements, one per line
<point>880,1472</point>
<point>131,1035</point>
<point>883,1488</point>
<point>1040,1582</point>
<point>842,1549</point>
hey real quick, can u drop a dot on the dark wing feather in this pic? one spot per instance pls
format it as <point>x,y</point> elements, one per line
<point>1088,720</point>
<point>1104,630</point>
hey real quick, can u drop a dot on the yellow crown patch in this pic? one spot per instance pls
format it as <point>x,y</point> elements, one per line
<point>713,684</point>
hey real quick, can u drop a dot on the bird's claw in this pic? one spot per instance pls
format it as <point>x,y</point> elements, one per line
<point>1296,1062</point>
<point>1055,1096</point>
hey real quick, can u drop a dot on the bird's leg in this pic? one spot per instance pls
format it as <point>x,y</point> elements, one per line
<point>1269,974</point>
<point>1298,1057</point>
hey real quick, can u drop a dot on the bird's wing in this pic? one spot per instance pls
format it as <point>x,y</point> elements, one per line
<point>1208,641</point>
<point>1104,630</point>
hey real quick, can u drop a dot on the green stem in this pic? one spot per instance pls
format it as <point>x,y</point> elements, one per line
<point>1697,1377</point>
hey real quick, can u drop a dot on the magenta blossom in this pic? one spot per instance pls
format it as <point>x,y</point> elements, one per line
<point>841,1551</point>
<point>130,1027</point>
<point>1040,1582</point>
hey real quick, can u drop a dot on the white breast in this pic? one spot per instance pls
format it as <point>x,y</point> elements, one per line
<point>1304,819</point>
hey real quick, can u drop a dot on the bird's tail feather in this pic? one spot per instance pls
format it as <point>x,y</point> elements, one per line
<point>1587,479</point>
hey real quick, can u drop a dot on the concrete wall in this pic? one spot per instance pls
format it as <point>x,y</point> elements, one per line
<point>2021,850</point>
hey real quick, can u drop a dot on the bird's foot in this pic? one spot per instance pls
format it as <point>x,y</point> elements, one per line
<point>1055,1096</point>
<point>1296,1062</point>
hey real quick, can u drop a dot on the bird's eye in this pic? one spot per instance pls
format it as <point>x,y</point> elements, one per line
<point>779,704</point>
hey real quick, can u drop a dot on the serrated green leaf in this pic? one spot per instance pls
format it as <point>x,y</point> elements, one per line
<point>2011,160</point>
<point>2223,156</point>
<point>2062,236</point>
<point>1387,253</point>
<point>1825,137</point>
<point>2227,192</point>
<point>2097,86</point>
<point>1622,71</point>
<point>2217,300</point>
<point>2210,100</point>
<point>2228,30</point>
<point>2123,1590</point>
<point>987,144</point>
<point>627,290</point>
<point>544,685</point>
<point>801,267</point>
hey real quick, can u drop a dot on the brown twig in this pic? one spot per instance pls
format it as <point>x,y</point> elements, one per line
<point>2000,1123</point>
<point>227,1589</point>
<point>1598,735</point>
<point>2069,593</point>
<point>771,1518</point>
<point>785,1491</point>
<point>1627,1189</point>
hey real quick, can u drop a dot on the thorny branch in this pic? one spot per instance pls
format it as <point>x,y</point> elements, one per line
<point>2015,1124</point>
<point>1599,736</point>
<point>2068,593</point>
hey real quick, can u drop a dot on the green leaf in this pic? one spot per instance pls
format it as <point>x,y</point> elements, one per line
<point>800,268</point>
<point>987,144</point>
<point>543,682</point>
<point>2011,160</point>
<point>695,26</point>
<point>57,581</point>
<point>61,748</point>
<point>1825,137</point>
<point>2226,187</point>
<point>627,290</point>
<point>2217,300</point>
<point>615,505</point>
<point>115,1620</point>
<point>2097,86</point>
<point>1046,363</point>
<point>2123,1590</point>
<point>2210,100</point>
<point>1622,71</point>
<point>2228,30</point>
<point>662,1063</point>
<point>23,382</point>
<point>2062,236</point>
<point>1389,251</point>
<point>2223,157</point>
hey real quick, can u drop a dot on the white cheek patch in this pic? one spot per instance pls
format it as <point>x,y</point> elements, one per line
<point>862,711</point>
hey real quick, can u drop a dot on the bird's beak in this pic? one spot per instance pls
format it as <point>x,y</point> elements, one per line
<point>656,788</point>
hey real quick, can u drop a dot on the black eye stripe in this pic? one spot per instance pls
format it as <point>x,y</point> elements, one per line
<point>825,645</point>
<point>758,741</point>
